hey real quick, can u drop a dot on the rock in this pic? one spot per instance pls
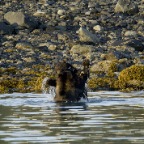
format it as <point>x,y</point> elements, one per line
<point>102,66</point>
<point>6,29</point>
<point>87,36</point>
<point>138,45</point>
<point>124,63</point>
<point>15,18</point>
<point>29,59</point>
<point>49,45</point>
<point>43,32</point>
<point>97,28</point>
<point>132,77</point>
<point>85,50</point>
<point>39,13</point>
<point>52,47</point>
<point>61,12</point>
<point>24,46</point>
<point>130,33</point>
<point>20,19</point>
<point>109,56</point>
<point>126,6</point>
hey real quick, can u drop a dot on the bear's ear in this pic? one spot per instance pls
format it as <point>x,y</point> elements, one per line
<point>86,62</point>
<point>51,82</point>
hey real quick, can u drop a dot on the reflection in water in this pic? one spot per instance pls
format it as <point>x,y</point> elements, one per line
<point>107,118</point>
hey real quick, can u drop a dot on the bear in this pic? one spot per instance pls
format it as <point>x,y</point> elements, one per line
<point>69,82</point>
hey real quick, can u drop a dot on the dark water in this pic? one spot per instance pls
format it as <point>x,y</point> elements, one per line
<point>108,118</point>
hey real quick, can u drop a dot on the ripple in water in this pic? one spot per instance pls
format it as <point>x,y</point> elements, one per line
<point>108,117</point>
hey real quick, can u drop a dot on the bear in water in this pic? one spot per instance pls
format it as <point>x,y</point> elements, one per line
<point>70,82</point>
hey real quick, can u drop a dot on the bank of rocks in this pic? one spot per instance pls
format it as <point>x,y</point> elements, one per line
<point>37,34</point>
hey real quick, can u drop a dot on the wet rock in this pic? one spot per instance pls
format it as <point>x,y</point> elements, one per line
<point>126,6</point>
<point>132,76</point>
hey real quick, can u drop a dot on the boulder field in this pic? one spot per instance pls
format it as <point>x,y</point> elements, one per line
<point>36,35</point>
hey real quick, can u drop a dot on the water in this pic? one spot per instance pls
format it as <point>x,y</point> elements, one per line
<point>108,118</point>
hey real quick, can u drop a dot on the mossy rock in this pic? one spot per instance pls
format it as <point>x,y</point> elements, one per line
<point>28,80</point>
<point>10,70</point>
<point>7,85</point>
<point>105,66</point>
<point>133,77</point>
<point>3,89</point>
<point>104,83</point>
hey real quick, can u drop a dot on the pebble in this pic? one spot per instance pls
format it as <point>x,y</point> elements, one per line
<point>61,12</point>
<point>97,28</point>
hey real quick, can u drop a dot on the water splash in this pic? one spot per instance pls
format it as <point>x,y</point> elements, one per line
<point>44,87</point>
<point>48,89</point>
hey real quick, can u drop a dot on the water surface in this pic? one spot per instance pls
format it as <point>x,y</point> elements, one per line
<point>107,118</point>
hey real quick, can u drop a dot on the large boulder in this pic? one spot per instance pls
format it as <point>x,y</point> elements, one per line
<point>126,6</point>
<point>132,77</point>
<point>20,19</point>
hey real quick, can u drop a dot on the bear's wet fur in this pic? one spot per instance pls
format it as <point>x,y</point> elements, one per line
<point>70,82</point>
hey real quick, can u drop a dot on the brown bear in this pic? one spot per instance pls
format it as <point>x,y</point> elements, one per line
<point>69,82</point>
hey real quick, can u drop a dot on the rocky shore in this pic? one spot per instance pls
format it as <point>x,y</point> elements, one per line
<point>35,35</point>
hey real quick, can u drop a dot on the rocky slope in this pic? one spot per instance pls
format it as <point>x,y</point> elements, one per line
<point>34,35</point>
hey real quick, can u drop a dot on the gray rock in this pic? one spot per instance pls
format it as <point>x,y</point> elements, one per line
<point>130,33</point>
<point>39,13</point>
<point>114,55</point>
<point>87,36</point>
<point>116,35</point>
<point>102,66</point>
<point>126,6</point>
<point>138,45</point>
<point>20,19</point>
<point>15,18</point>
<point>61,12</point>
<point>97,28</point>
<point>24,46</point>
<point>49,45</point>
<point>6,29</point>
<point>85,50</point>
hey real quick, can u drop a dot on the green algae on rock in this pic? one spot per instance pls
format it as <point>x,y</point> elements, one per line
<point>27,80</point>
<point>132,77</point>
<point>105,83</point>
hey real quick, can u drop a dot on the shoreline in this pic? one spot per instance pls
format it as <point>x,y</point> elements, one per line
<point>36,35</point>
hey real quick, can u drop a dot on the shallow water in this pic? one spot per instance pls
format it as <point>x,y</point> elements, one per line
<point>107,118</point>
